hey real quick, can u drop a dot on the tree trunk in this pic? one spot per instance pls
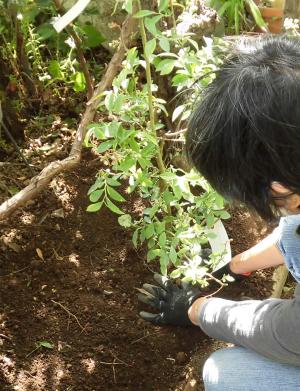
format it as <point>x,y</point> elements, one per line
<point>292,9</point>
<point>10,117</point>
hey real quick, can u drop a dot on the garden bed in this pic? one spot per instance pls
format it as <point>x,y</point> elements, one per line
<point>69,277</point>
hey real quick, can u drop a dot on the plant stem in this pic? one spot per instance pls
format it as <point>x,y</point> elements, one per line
<point>82,61</point>
<point>173,14</point>
<point>159,158</point>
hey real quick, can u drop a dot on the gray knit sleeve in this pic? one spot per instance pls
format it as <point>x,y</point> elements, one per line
<point>269,327</point>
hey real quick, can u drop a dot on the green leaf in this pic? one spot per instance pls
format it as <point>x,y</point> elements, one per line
<point>94,207</point>
<point>164,262</point>
<point>180,79</point>
<point>46,31</point>
<point>163,4</point>
<point>126,164</point>
<point>168,197</point>
<point>175,273</point>
<point>79,82</point>
<point>166,66</point>
<point>105,146</point>
<point>125,221</point>
<point>210,220</point>
<point>257,15</point>
<point>113,182</point>
<point>113,207</point>
<point>237,18</point>
<point>162,239</point>
<point>164,43</point>
<point>150,24</point>
<point>95,195</point>
<point>93,37</point>
<point>150,47</point>
<point>224,215</point>
<point>177,192</point>
<point>135,237</point>
<point>224,8</point>
<point>149,231</point>
<point>152,254</point>
<point>115,195</point>
<point>173,255</point>
<point>186,279</point>
<point>97,185</point>
<point>109,101</point>
<point>143,13</point>
<point>177,112</point>
<point>128,6</point>
<point>45,344</point>
<point>55,70</point>
<point>168,176</point>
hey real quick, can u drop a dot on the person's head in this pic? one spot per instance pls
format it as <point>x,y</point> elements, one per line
<point>244,136</point>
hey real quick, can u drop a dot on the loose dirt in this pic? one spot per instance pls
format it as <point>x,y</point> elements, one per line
<point>68,278</point>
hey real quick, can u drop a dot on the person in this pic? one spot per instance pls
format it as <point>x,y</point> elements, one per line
<point>244,137</point>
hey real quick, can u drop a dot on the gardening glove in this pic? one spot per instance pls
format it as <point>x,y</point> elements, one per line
<point>219,273</point>
<point>225,269</point>
<point>171,301</point>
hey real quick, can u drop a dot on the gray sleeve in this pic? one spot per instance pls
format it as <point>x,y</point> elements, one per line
<point>269,327</point>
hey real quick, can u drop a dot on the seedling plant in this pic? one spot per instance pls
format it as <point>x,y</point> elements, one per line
<point>180,205</point>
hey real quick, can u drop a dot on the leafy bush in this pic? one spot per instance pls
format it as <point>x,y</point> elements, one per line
<point>181,206</point>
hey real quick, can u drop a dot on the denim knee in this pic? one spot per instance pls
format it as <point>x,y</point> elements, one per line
<point>239,369</point>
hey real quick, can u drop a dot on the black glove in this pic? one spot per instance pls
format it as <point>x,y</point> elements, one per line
<point>219,273</point>
<point>226,270</point>
<point>170,300</point>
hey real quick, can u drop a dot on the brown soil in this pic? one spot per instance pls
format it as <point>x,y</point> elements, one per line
<point>69,278</point>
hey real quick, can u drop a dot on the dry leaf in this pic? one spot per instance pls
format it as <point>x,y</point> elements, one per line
<point>58,213</point>
<point>13,246</point>
<point>39,253</point>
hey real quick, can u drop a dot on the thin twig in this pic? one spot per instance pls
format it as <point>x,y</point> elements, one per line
<point>2,164</point>
<point>114,373</point>
<point>68,312</point>
<point>217,291</point>
<point>111,363</point>
<point>177,140</point>
<point>145,336</point>
<point>216,279</point>
<point>117,358</point>
<point>15,272</point>
<point>171,135</point>
<point>5,337</point>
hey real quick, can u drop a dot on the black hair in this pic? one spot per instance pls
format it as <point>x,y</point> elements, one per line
<point>245,133</point>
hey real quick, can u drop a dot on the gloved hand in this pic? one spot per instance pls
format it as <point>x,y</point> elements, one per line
<point>170,300</point>
<point>226,270</point>
<point>219,273</point>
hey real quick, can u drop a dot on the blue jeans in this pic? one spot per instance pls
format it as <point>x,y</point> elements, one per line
<point>239,369</point>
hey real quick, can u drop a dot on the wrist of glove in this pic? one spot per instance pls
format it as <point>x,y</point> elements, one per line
<point>170,300</point>
<point>225,270</point>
